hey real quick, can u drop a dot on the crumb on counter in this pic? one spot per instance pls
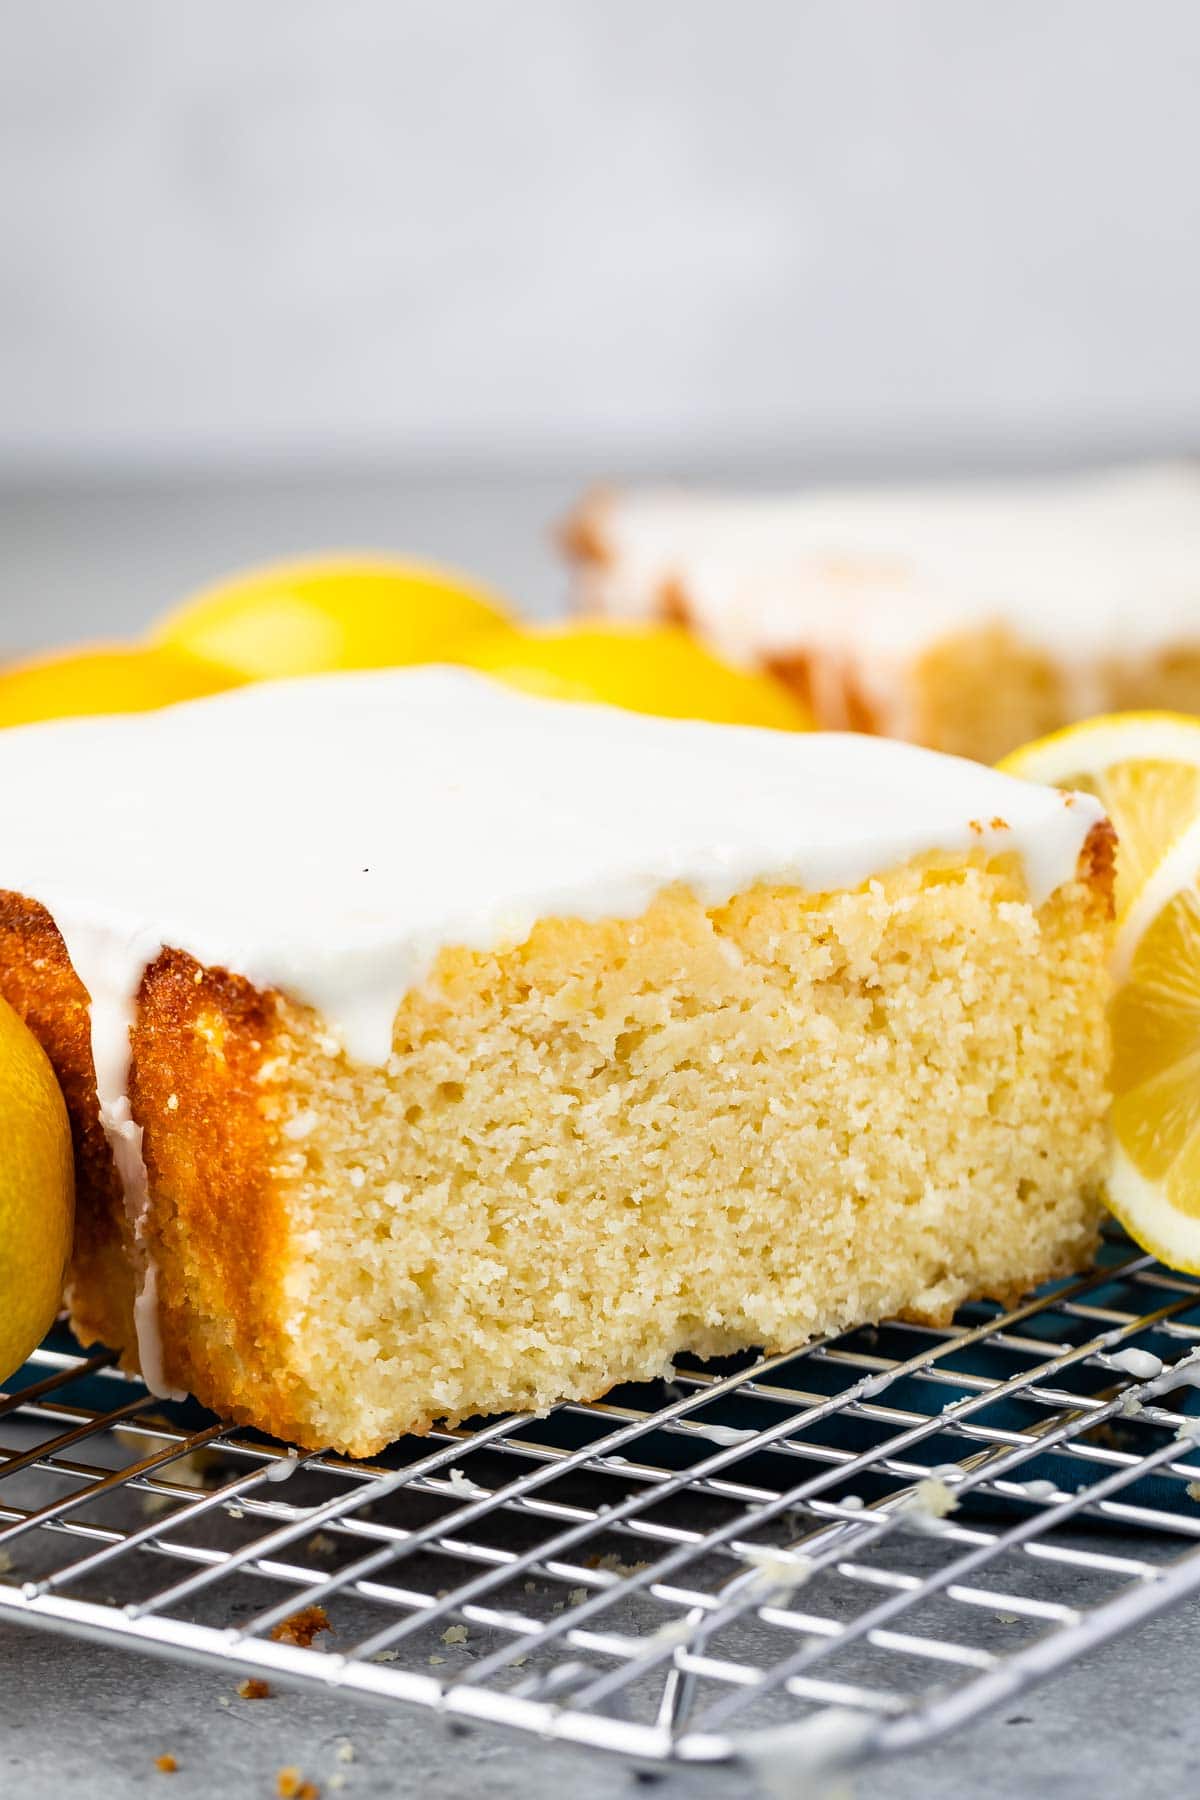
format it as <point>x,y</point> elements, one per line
<point>254,1689</point>
<point>291,1785</point>
<point>454,1634</point>
<point>302,1627</point>
<point>166,1764</point>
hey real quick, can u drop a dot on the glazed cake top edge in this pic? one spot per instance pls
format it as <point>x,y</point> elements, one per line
<point>328,836</point>
<point>1083,566</point>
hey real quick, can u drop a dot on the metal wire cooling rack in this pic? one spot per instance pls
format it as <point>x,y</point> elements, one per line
<point>833,1555</point>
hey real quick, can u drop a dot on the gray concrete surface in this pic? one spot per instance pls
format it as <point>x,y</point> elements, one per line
<point>75,1719</point>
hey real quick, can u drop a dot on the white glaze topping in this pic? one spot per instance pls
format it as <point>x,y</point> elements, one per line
<point>1086,566</point>
<point>328,836</point>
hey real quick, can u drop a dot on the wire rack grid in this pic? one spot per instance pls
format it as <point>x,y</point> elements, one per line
<point>832,1556</point>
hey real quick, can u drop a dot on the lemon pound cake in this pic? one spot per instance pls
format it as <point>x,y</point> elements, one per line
<point>433,1049</point>
<point>968,618</point>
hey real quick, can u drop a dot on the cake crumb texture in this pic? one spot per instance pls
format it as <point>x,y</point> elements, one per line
<point>703,1129</point>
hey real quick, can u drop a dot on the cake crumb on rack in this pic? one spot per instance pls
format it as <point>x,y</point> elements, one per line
<point>302,1627</point>
<point>254,1688</point>
<point>345,1750</point>
<point>927,1506</point>
<point>613,1564</point>
<point>166,1764</point>
<point>454,1634</point>
<point>775,1568</point>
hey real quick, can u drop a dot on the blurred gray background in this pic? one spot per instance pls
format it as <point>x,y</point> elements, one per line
<point>285,273</point>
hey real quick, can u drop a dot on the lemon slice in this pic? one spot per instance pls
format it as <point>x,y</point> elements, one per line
<point>1145,768</point>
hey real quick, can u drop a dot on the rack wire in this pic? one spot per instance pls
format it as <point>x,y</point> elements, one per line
<point>830,1556</point>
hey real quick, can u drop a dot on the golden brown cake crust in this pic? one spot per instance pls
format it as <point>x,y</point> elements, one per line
<point>582,536</point>
<point>216,1229</point>
<point>199,1047</point>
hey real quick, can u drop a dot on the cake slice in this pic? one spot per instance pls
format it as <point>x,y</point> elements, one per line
<point>968,618</point>
<point>431,1049</point>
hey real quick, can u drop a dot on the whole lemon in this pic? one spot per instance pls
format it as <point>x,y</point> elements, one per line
<point>337,612</point>
<point>37,1192</point>
<point>645,668</point>
<point>104,679</point>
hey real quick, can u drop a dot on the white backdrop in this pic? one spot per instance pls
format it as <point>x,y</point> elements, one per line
<point>638,230</point>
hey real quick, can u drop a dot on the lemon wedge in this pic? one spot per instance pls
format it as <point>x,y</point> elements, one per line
<point>1145,768</point>
<point>37,1192</point>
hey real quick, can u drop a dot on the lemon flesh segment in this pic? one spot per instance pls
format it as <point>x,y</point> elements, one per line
<point>656,669</point>
<point>332,614</point>
<point>37,1192</point>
